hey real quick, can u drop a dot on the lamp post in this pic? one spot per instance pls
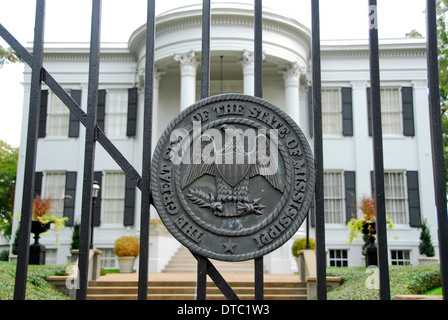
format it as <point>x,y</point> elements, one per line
<point>95,191</point>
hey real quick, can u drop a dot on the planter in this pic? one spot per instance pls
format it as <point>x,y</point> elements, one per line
<point>428,260</point>
<point>126,264</point>
<point>37,250</point>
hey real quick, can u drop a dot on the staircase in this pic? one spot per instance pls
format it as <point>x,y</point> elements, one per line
<point>186,290</point>
<point>178,282</point>
<point>183,261</point>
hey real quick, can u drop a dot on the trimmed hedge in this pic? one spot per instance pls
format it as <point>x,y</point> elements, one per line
<point>36,288</point>
<point>403,280</point>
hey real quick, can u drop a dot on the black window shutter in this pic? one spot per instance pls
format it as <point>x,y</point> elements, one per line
<point>132,112</point>
<point>350,195</point>
<point>98,177</point>
<point>38,183</point>
<point>369,111</point>
<point>413,199</point>
<point>372,183</point>
<point>129,203</point>
<point>408,111</point>
<point>347,112</point>
<point>101,109</point>
<point>43,114</point>
<point>69,201</point>
<point>73,128</point>
<point>310,111</point>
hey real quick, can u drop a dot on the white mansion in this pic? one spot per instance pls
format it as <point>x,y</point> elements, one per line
<point>348,158</point>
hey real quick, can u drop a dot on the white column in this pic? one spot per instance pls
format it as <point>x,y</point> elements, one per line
<point>247,62</point>
<point>291,76</point>
<point>188,65</point>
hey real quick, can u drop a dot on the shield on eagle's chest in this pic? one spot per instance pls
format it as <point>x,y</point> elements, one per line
<point>232,171</point>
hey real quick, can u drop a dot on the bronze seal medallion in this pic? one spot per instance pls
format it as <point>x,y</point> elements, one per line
<point>232,177</point>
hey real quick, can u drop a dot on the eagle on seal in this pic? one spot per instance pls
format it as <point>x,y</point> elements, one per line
<point>232,180</point>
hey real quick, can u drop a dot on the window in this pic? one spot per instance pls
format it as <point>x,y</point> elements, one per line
<point>58,117</point>
<point>395,196</point>
<point>391,111</point>
<point>333,197</point>
<point>338,258</point>
<point>331,111</point>
<point>400,257</point>
<point>54,188</point>
<point>108,258</point>
<point>113,193</point>
<point>50,256</point>
<point>116,113</point>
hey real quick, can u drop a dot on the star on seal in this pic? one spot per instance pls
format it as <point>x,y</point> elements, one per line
<point>229,245</point>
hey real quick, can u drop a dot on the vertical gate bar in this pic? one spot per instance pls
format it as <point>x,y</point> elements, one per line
<point>380,206</point>
<point>89,152</point>
<point>205,61</point>
<point>258,48</point>
<point>201,284</point>
<point>258,92</point>
<point>318,153</point>
<point>30,158</point>
<point>147,146</point>
<point>259,275</point>
<point>201,290</point>
<point>437,142</point>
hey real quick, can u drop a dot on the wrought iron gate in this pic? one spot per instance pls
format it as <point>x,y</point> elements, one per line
<point>142,181</point>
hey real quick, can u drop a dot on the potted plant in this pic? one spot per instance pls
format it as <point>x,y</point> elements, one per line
<point>426,249</point>
<point>42,218</point>
<point>127,250</point>
<point>366,225</point>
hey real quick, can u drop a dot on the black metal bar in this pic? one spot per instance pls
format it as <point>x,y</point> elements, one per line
<point>205,63</point>
<point>89,151</point>
<point>258,48</point>
<point>380,206</point>
<point>259,278</point>
<point>437,141</point>
<point>201,285</point>
<point>16,46</point>
<point>217,278</point>
<point>318,153</point>
<point>30,158</point>
<point>147,146</point>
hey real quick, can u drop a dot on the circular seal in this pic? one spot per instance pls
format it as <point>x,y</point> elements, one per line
<point>232,177</point>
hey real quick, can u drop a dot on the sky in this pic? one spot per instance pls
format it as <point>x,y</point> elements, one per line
<point>69,21</point>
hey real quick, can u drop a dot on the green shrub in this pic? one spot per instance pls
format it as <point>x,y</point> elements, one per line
<point>403,280</point>
<point>4,255</point>
<point>300,244</point>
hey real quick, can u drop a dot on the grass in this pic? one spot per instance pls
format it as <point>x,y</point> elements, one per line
<point>434,292</point>
<point>359,283</point>
<point>36,288</point>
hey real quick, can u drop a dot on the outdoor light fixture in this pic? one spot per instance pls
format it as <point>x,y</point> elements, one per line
<point>95,190</point>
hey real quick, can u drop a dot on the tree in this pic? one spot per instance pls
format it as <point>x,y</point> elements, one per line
<point>8,170</point>
<point>425,247</point>
<point>8,55</point>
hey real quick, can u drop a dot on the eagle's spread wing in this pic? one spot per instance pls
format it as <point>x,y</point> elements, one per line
<point>194,171</point>
<point>269,172</point>
<point>268,167</point>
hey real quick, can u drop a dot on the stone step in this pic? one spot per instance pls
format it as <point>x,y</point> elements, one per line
<point>186,290</point>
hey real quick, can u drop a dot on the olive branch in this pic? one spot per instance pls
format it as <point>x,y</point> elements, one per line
<point>201,198</point>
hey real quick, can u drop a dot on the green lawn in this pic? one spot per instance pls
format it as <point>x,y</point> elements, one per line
<point>36,288</point>
<point>434,292</point>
